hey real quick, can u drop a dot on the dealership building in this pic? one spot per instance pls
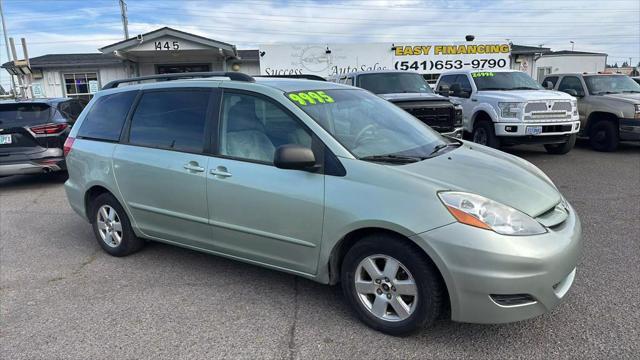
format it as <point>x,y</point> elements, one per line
<point>168,50</point>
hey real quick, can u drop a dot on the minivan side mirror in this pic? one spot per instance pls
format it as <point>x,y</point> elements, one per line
<point>444,90</point>
<point>548,85</point>
<point>294,157</point>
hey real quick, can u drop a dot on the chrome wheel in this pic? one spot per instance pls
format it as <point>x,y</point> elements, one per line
<point>109,226</point>
<point>480,136</point>
<point>386,288</point>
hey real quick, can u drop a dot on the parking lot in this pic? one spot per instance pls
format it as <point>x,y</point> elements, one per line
<point>63,297</point>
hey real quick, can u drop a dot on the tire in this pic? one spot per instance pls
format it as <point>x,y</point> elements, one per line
<point>484,134</point>
<point>561,149</point>
<point>603,136</point>
<point>419,311</point>
<point>114,235</point>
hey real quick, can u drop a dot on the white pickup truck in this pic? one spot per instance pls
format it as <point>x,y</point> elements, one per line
<point>507,107</point>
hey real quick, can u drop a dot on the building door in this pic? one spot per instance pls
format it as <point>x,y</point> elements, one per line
<point>182,68</point>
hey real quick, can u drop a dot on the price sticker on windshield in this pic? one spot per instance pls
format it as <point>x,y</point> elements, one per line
<point>305,98</point>
<point>482,74</point>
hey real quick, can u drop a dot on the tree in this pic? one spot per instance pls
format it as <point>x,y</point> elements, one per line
<point>624,64</point>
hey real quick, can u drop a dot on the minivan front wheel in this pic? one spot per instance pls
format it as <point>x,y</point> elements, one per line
<point>391,286</point>
<point>112,227</point>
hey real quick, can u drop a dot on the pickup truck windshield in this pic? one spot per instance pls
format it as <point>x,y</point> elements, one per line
<point>369,127</point>
<point>392,83</point>
<point>611,84</point>
<point>504,81</point>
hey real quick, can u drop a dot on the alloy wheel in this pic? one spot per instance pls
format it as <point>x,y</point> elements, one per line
<point>386,288</point>
<point>480,136</point>
<point>109,226</point>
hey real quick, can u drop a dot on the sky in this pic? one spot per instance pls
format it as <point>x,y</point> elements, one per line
<point>72,26</point>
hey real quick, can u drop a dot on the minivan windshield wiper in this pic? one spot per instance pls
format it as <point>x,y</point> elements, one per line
<point>440,147</point>
<point>392,158</point>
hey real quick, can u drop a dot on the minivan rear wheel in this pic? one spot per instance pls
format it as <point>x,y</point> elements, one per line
<point>112,227</point>
<point>391,286</point>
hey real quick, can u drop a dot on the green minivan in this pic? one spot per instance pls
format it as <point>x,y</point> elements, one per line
<point>328,182</point>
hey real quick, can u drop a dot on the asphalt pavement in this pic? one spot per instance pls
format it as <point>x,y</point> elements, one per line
<point>62,297</point>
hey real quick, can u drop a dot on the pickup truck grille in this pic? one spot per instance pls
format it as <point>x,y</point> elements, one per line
<point>547,111</point>
<point>440,117</point>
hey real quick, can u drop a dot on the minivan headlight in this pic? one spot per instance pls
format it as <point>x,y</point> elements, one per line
<point>510,110</point>
<point>478,211</point>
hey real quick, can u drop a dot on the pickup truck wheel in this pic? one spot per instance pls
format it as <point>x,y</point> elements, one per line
<point>484,134</point>
<point>390,286</point>
<point>603,136</point>
<point>112,227</point>
<point>561,149</point>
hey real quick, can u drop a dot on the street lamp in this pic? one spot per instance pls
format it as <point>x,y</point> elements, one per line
<point>572,44</point>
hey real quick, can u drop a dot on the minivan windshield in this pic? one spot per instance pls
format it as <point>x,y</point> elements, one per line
<point>23,114</point>
<point>511,80</point>
<point>611,84</point>
<point>369,127</point>
<point>394,82</point>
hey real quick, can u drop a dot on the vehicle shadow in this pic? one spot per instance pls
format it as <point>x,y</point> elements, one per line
<point>536,151</point>
<point>31,181</point>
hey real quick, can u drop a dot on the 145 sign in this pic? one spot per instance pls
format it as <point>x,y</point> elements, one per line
<point>166,45</point>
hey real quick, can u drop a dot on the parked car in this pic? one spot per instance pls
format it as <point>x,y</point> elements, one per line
<point>507,107</point>
<point>328,182</point>
<point>411,92</point>
<point>608,104</point>
<point>32,134</point>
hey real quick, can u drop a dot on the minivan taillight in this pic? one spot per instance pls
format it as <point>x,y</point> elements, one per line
<point>48,129</point>
<point>67,145</point>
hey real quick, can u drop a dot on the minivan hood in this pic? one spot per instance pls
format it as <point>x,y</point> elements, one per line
<point>525,95</point>
<point>490,173</point>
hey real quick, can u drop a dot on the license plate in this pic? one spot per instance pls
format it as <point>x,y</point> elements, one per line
<point>533,130</point>
<point>5,139</point>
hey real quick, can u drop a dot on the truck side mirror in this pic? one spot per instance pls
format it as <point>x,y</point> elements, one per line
<point>548,85</point>
<point>444,90</point>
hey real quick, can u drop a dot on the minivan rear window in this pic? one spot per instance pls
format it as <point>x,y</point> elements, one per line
<point>107,116</point>
<point>25,114</point>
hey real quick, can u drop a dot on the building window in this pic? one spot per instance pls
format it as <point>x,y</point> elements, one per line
<point>77,85</point>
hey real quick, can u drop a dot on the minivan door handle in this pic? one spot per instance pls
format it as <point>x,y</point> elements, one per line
<point>193,166</point>
<point>220,172</point>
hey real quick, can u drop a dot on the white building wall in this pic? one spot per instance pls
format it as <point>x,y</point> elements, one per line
<point>572,63</point>
<point>249,68</point>
<point>52,81</point>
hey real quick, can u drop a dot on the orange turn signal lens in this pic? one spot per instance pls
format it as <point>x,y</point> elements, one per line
<point>465,218</point>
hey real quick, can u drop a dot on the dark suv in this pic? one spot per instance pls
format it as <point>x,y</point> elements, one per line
<point>33,132</point>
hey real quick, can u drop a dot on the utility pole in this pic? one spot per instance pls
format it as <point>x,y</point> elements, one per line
<point>125,21</point>
<point>18,90</point>
<point>6,43</point>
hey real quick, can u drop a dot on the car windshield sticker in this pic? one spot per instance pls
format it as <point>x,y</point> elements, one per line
<point>305,98</point>
<point>481,74</point>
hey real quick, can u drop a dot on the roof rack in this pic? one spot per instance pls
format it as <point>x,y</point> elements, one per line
<point>177,76</point>
<point>297,76</point>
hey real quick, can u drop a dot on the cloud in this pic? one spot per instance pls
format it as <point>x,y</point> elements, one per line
<point>63,27</point>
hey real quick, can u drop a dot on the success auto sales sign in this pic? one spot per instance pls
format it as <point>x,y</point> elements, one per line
<point>425,58</point>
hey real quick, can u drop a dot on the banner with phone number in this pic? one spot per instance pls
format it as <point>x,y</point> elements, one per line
<point>425,58</point>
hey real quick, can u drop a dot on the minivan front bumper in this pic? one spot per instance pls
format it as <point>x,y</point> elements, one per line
<point>492,278</point>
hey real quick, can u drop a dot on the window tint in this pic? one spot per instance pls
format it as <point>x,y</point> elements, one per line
<point>252,128</point>
<point>446,80</point>
<point>171,120</point>
<point>552,79</point>
<point>24,114</point>
<point>571,82</point>
<point>106,117</point>
<point>71,109</point>
<point>465,84</point>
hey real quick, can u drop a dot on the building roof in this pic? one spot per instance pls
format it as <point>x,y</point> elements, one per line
<point>70,60</point>
<point>569,52</point>
<point>167,31</point>
<point>523,49</point>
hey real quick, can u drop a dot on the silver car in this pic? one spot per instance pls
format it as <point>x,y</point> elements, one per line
<point>328,182</point>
